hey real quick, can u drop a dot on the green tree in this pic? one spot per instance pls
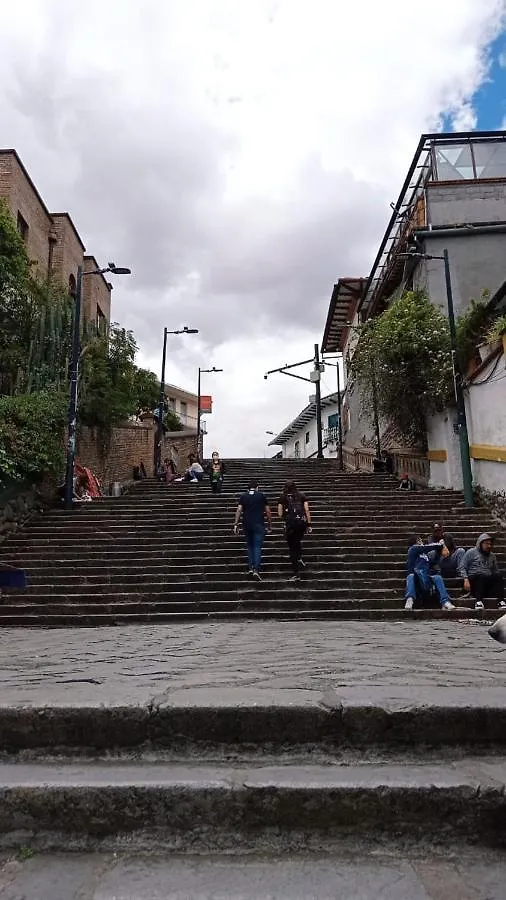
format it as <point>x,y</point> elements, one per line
<point>16,308</point>
<point>31,435</point>
<point>36,319</point>
<point>406,350</point>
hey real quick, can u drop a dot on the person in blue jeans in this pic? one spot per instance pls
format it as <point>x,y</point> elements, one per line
<point>254,510</point>
<point>418,567</point>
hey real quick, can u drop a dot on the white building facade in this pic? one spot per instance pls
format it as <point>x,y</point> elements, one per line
<point>299,439</point>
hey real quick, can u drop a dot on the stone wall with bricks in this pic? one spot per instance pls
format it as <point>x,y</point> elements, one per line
<point>68,250</point>
<point>96,294</point>
<point>21,197</point>
<point>129,445</point>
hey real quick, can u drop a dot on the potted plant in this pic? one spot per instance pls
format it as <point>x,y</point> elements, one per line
<point>497,331</point>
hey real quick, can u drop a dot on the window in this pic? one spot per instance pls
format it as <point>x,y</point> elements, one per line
<point>101,320</point>
<point>454,162</point>
<point>172,404</point>
<point>307,437</point>
<point>22,227</point>
<point>72,286</point>
<point>184,412</point>
<point>297,449</point>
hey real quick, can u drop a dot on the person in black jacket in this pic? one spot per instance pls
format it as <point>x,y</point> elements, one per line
<point>293,507</point>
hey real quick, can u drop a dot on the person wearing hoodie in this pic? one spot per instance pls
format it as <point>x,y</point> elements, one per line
<point>481,573</point>
<point>418,572</point>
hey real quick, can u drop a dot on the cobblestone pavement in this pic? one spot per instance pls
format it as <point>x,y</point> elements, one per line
<point>358,876</point>
<point>247,660</point>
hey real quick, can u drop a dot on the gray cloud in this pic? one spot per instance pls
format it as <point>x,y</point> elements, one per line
<point>136,118</point>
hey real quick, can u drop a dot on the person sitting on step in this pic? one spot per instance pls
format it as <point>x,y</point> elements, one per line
<point>420,584</point>
<point>406,483</point>
<point>481,573</point>
<point>448,564</point>
<point>194,472</point>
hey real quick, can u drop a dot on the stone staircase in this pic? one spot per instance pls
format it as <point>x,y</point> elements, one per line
<point>163,553</point>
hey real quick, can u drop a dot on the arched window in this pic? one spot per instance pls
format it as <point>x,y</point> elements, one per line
<point>72,286</point>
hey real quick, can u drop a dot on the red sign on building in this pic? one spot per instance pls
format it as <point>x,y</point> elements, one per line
<point>206,405</point>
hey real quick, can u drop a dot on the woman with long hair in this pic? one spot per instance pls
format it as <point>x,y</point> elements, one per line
<point>293,507</point>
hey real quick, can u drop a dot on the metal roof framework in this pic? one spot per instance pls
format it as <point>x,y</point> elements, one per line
<point>304,417</point>
<point>345,295</point>
<point>435,154</point>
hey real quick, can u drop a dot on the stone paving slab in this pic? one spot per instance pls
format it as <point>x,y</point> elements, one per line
<point>351,876</point>
<point>251,662</point>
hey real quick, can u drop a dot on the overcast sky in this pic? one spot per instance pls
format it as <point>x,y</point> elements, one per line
<point>240,156</point>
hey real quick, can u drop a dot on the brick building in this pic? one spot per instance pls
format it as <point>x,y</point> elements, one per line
<point>53,243</point>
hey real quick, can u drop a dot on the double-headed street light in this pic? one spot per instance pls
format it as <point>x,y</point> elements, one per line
<point>161,404</point>
<point>465,456</point>
<point>214,369</point>
<point>74,372</point>
<point>313,379</point>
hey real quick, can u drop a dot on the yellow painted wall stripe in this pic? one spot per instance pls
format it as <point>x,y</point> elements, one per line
<point>489,452</point>
<point>437,455</point>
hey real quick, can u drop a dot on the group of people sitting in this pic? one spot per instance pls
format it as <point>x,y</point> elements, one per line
<point>194,473</point>
<point>429,563</point>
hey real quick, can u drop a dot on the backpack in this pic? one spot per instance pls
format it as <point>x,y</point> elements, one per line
<point>427,597</point>
<point>295,517</point>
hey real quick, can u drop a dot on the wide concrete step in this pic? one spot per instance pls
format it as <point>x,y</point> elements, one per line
<point>193,580</point>
<point>208,804</point>
<point>71,616</point>
<point>270,589</point>
<point>214,603</point>
<point>410,719</point>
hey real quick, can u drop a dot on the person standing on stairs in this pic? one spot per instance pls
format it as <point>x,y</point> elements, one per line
<point>293,507</point>
<point>254,510</point>
<point>216,471</point>
<point>419,580</point>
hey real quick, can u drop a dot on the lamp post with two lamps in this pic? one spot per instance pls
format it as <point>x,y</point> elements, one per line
<point>314,378</point>
<point>214,369</point>
<point>161,404</point>
<point>74,372</point>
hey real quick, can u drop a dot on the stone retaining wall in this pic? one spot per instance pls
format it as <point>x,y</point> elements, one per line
<point>18,503</point>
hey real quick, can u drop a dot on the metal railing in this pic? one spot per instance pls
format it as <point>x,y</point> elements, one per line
<point>413,462</point>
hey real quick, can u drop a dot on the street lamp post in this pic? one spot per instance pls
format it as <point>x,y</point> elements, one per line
<point>319,436</point>
<point>161,403</point>
<point>214,369</point>
<point>316,373</point>
<point>465,456</point>
<point>74,374</point>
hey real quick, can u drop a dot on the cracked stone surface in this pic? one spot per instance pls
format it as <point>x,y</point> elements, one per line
<point>246,662</point>
<point>354,876</point>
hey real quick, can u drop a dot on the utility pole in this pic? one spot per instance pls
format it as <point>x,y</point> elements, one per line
<point>319,437</point>
<point>465,456</point>
<point>314,379</point>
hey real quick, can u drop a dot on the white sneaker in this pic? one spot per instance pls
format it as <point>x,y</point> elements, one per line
<point>447,606</point>
<point>479,604</point>
<point>409,604</point>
